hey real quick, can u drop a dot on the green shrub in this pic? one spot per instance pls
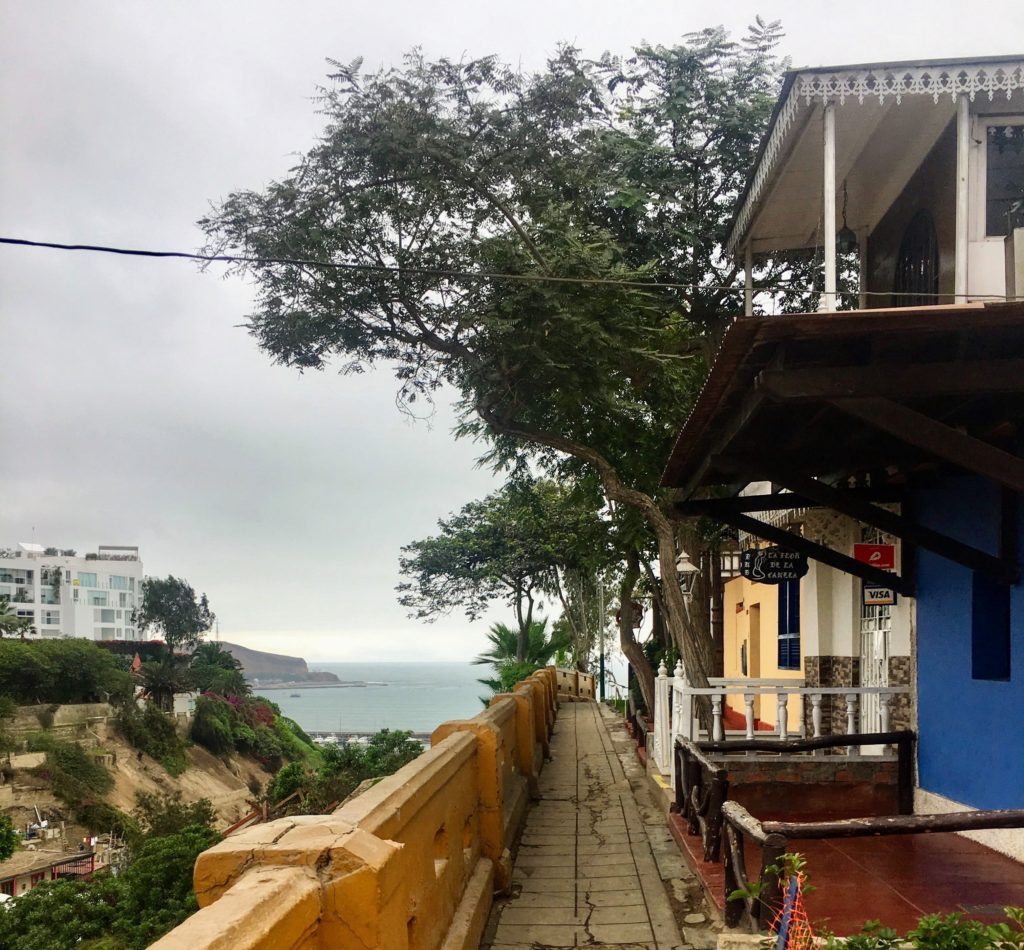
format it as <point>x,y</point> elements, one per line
<point>155,733</point>
<point>61,671</point>
<point>211,725</point>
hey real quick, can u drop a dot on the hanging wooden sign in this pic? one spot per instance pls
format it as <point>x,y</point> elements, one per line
<point>773,565</point>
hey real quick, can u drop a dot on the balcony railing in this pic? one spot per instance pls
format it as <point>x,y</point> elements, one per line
<point>676,710</point>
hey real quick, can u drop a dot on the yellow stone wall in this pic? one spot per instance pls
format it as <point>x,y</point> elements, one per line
<point>412,864</point>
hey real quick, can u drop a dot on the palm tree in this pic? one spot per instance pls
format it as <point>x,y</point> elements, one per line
<point>504,641</point>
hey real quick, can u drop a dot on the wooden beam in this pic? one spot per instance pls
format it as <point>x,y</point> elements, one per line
<point>737,423</point>
<point>817,551</point>
<point>899,382</point>
<point>849,504</point>
<point>782,501</point>
<point>937,439</point>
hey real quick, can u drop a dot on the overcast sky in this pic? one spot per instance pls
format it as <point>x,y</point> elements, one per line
<point>133,409</point>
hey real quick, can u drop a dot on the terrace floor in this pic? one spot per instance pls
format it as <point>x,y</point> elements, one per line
<point>895,879</point>
<point>595,858</point>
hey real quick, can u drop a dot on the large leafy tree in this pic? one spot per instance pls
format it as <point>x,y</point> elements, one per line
<point>170,607</point>
<point>600,192</point>
<point>510,546</point>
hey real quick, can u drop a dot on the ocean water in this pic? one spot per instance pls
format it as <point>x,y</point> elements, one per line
<point>414,696</point>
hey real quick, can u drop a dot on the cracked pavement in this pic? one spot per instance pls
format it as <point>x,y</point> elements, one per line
<point>595,858</point>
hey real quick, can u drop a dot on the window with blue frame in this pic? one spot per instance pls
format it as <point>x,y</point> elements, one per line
<point>789,625</point>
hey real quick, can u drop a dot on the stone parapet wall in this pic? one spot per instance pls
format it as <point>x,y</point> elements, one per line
<point>411,864</point>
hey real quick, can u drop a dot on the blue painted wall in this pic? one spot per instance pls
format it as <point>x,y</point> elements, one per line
<point>971,745</point>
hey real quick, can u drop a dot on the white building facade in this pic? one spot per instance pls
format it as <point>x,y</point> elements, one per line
<point>64,595</point>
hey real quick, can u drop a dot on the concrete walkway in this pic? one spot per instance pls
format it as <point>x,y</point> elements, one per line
<point>596,863</point>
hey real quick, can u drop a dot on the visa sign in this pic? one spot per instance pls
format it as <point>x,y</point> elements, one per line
<point>882,556</point>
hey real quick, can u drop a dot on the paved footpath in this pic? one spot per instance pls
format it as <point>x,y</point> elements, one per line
<point>596,862</point>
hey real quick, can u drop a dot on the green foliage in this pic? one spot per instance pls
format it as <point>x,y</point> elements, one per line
<point>127,912</point>
<point>153,732</point>
<point>215,670</point>
<point>60,671</point>
<point>342,768</point>
<point>502,655</point>
<point>10,623</point>
<point>619,175</point>
<point>9,838</point>
<point>164,676</point>
<point>160,815</point>
<point>170,607</point>
<point>76,777</point>
<point>250,725</point>
<point>511,546</point>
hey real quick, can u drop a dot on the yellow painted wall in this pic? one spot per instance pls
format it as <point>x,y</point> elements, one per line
<point>747,608</point>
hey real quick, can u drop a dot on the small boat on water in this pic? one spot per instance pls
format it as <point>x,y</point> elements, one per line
<point>296,696</point>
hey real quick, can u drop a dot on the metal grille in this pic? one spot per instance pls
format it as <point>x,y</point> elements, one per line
<point>917,267</point>
<point>875,627</point>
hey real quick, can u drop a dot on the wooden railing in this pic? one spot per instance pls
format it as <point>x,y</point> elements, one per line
<point>411,864</point>
<point>701,784</point>
<point>757,906</point>
<point>701,789</point>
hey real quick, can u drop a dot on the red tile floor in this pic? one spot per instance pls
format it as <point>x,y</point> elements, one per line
<point>895,879</point>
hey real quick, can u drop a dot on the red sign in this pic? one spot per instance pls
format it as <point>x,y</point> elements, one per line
<point>882,556</point>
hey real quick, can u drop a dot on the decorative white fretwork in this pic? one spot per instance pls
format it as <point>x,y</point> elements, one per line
<point>880,83</point>
<point>829,528</point>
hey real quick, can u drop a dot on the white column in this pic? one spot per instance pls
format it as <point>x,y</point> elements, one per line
<point>863,301</point>
<point>662,727</point>
<point>782,715</point>
<point>829,207</point>
<point>816,714</point>
<point>884,699</point>
<point>963,151</point>
<point>748,280</point>
<point>851,714</point>
<point>748,702</point>
<point>717,732</point>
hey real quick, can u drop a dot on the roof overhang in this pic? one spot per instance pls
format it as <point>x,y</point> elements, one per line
<point>889,116</point>
<point>815,402</point>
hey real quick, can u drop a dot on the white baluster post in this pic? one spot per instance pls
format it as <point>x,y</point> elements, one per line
<point>717,733</point>
<point>782,714</point>
<point>662,740</point>
<point>684,702</point>
<point>884,699</point>
<point>748,702</point>
<point>851,714</point>
<point>816,714</point>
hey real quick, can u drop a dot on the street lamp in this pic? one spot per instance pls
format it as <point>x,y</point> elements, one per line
<point>688,572</point>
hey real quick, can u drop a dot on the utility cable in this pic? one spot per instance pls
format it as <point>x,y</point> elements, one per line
<point>418,271</point>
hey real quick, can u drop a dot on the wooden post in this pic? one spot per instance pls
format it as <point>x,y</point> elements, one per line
<point>772,850</point>
<point>905,774</point>
<point>734,859</point>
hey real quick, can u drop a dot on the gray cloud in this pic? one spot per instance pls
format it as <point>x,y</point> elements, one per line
<point>134,411</point>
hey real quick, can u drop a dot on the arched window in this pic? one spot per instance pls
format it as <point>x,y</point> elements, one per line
<point>917,267</point>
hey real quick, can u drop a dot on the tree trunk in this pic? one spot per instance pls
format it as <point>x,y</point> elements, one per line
<point>627,641</point>
<point>693,639</point>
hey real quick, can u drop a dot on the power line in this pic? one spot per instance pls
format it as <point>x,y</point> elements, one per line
<point>418,271</point>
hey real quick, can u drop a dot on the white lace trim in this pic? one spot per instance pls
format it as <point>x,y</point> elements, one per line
<point>879,83</point>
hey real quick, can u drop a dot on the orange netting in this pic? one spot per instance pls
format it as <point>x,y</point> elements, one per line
<point>791,926</point>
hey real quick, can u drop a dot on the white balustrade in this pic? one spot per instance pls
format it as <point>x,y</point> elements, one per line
<point>810,699</point>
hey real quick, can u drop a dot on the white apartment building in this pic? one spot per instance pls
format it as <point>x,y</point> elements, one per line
<point>64,595</point>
